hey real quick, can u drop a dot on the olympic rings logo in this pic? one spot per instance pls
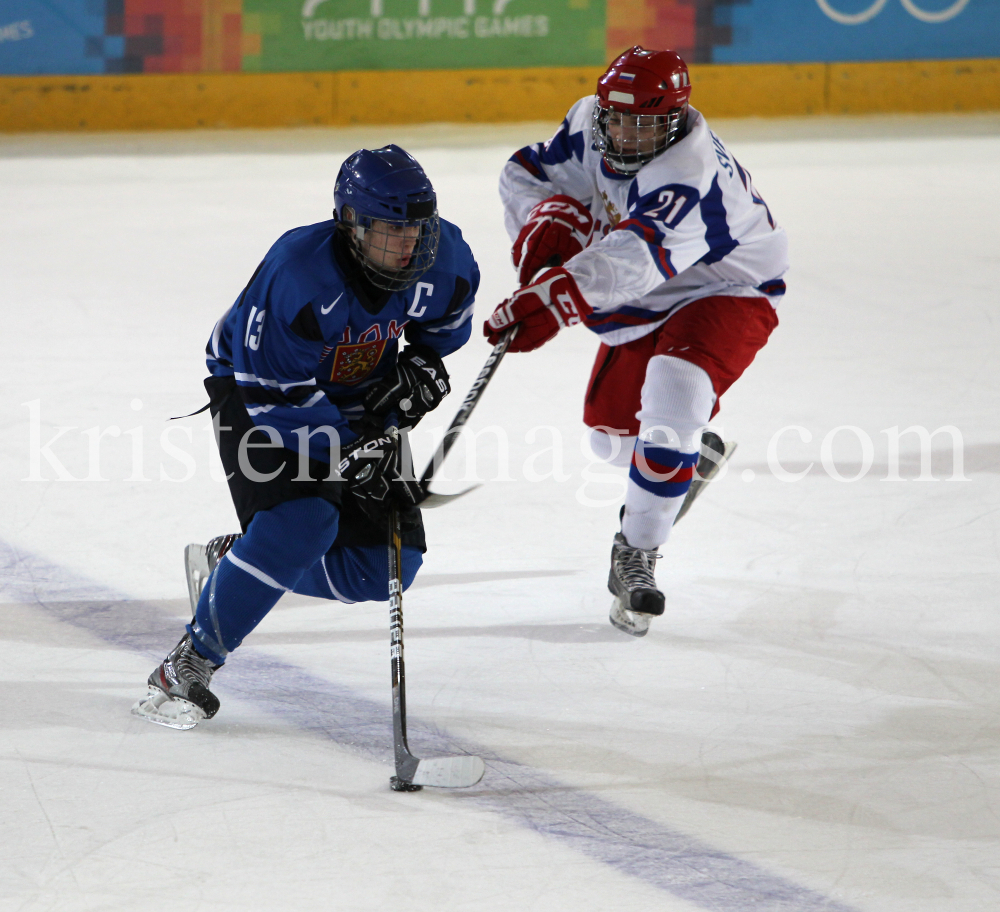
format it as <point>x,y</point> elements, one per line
<point>857,18</point>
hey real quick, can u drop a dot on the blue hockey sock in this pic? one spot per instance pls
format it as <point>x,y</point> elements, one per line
<point>279,546</point>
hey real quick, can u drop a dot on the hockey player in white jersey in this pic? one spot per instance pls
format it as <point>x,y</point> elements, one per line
<point>649,232</point>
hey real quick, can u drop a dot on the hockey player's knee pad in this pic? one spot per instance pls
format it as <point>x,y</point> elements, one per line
<point>291,536</point>
<point>361,574</point>
<point>677,402</point>
<point>611,448</point>
<point>413,559</point>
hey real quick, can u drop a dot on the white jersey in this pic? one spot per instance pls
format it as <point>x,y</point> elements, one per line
<point>688,225</point>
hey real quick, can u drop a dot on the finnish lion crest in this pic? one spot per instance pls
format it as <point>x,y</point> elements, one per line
<point>352,363</point>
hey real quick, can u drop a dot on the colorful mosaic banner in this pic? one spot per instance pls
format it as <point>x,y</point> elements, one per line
<point>184,36</point>
<point>190,36</point>
<point>426,34</point>
<point>808,31</point>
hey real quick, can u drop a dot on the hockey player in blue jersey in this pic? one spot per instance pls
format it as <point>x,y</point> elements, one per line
<point>665,249</point>
<point>307,374</point>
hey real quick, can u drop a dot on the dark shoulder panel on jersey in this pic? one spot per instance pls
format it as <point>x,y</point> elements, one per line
<point>306,326</point>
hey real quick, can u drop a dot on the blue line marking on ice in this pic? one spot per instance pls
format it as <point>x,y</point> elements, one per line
<point>626,841</point>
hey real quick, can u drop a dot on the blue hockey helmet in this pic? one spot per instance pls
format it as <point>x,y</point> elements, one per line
<point>387,207</point>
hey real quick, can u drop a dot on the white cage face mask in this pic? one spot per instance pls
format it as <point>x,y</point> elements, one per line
<point>629,141</point>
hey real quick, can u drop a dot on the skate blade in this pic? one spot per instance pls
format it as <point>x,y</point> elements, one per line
<point>161,709</point>
<point>630,622</point>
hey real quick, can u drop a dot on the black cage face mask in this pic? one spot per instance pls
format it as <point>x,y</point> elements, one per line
<point>394,253</point>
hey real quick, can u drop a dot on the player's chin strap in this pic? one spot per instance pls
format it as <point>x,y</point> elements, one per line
<point>458,422</point>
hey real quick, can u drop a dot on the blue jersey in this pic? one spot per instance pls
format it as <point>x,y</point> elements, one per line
<point>305,342</point>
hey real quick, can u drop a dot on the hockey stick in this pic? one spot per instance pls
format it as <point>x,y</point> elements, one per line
<point>412,773</point>
<point>458,422</point>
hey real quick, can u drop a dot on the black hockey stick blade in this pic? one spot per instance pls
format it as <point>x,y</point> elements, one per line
<point>439,500</point>
<point>714,455</point>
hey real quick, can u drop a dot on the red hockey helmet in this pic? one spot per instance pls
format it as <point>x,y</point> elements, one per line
<point>641,107</point>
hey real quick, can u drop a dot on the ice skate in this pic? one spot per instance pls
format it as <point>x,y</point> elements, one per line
<point>200,561</point>
<point>631,582</point>
<point>178,689</point>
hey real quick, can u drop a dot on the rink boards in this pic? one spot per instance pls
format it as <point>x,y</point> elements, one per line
<point>191,100</point>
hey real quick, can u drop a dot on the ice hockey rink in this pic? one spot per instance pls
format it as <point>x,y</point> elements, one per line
<point>813,725</point>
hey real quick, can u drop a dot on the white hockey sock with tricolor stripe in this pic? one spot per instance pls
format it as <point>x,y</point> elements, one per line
<point>677,402</point>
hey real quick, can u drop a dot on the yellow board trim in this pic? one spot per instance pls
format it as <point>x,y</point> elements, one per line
<point>182,101</point>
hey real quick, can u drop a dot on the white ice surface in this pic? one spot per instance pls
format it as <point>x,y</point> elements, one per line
<point>818,708</point>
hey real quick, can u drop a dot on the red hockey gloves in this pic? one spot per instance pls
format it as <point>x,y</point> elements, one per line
<point>414,388</point>
<point>541,309</point>
<point>557,228</point>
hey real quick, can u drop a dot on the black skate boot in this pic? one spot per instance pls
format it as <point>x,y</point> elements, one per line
<point>178,690</point>
<point>201,560</point>
<point>633,585</point>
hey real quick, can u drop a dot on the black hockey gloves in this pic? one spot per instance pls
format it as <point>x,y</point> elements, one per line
<point>414,388</point>
<point>372,470</point>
